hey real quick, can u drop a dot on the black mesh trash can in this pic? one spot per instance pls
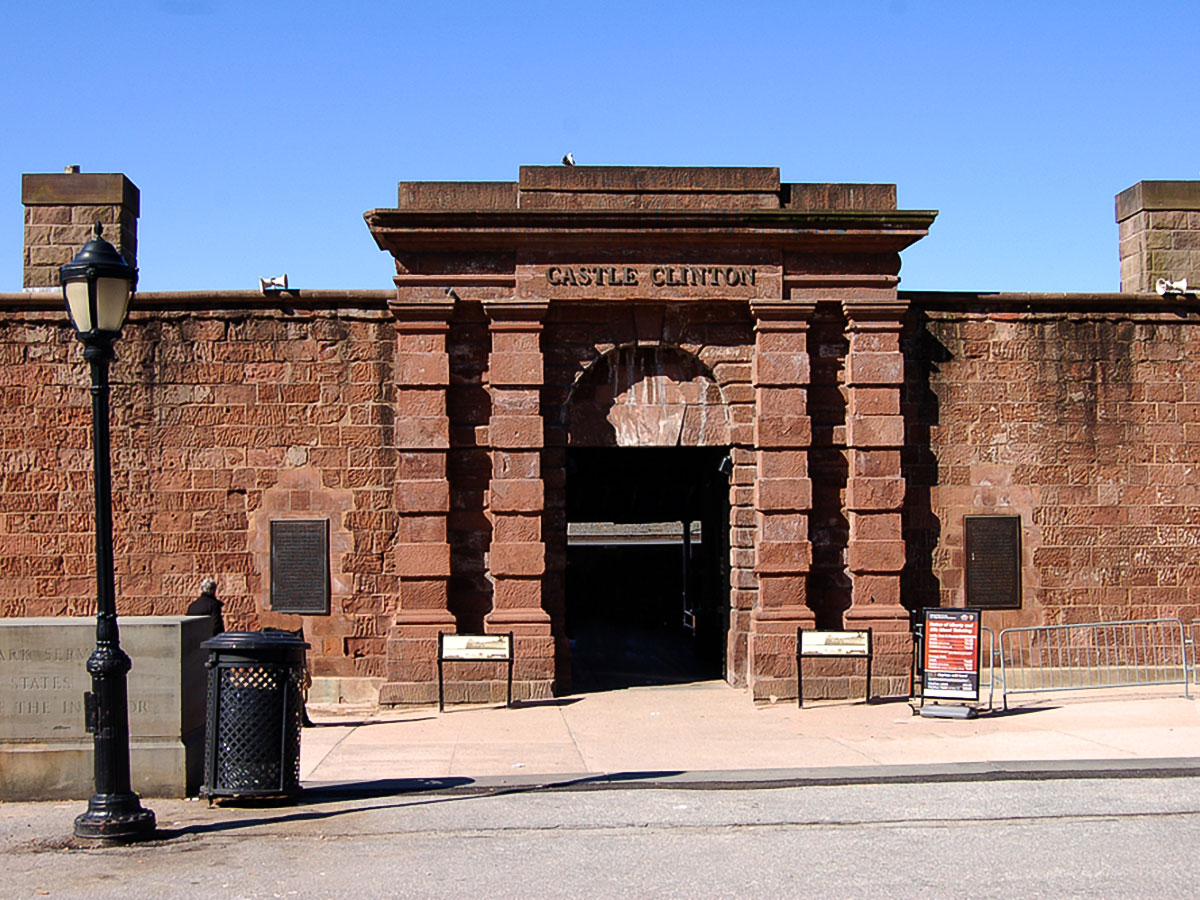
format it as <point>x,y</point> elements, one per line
<point>255,706</point>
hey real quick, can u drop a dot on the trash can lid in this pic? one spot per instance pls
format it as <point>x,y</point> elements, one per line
<point>255,640</point>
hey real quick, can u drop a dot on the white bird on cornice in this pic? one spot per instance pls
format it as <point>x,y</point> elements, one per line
<point>569,159</point>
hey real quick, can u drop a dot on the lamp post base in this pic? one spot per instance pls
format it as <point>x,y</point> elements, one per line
<point>115,817</point>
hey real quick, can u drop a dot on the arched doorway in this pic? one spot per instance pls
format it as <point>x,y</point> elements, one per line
<point>647,500</point>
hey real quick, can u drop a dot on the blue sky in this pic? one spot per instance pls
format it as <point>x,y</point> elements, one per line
<point>259,132</point>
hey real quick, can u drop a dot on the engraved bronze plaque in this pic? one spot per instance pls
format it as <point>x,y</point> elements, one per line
<point>993,577</point>
<point>300,566</point>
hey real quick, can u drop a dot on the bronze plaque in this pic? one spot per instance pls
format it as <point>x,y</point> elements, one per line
<point>993,577</point>
<point>300,566</point>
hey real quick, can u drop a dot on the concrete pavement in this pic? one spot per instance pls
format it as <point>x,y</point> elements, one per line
<point>708,732</point>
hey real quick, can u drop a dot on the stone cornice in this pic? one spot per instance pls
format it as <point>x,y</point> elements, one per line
<point>777,315</point>
<point>869,314</point>
<point>510,311</point>
<point>433,309</point>
<point>406,231</point>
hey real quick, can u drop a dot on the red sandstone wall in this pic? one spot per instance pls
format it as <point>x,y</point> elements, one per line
<point>221,421</point>
<point>225,420</point>
<point>1087,424</point>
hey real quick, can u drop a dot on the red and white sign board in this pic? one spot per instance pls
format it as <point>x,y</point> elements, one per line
<point>951,653</point>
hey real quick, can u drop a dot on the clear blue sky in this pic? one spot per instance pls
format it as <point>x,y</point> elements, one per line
<point>259,132</point>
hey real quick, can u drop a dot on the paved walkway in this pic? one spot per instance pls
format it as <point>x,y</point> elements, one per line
<point>710,732</point>
<point>696,736</point>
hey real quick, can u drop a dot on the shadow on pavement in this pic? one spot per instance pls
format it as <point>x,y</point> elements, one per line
<point>551,701</point>
<point>361,723</point>
<point>1000,712</point>
<point>348,792</point>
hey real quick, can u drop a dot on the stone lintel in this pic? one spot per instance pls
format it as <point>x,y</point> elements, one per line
<point>405,231</point>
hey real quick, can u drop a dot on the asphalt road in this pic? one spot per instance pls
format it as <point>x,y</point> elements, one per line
<point>1111,837</point>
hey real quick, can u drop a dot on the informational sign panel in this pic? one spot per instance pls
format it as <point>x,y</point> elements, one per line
<point>835,643</point>
<point>993,576</point>
<point>473,648</point>
<point>300,566</point>
<point>951,653</point>
<point>831,643</point>
<point>476,646</point>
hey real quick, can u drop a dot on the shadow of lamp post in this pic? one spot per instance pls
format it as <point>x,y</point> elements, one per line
<point>97,286</point>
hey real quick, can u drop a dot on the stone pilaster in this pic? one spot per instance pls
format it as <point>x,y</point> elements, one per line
<point>875,554</point>
<point>517,496</point>
<point>782,494</point>
<point>421,371</point>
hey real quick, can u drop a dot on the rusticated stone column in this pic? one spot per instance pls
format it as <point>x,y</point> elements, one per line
<point>875,555</point>
<point>517,497</point>
<point>422,500</point>
<point>782,494</point>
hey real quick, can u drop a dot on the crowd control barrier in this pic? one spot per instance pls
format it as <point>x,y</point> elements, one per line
<point>1093,656</point>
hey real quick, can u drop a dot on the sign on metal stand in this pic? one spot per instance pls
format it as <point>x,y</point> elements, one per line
<point>831,643</point>
<point>950,654</point>
<point>473,648</point>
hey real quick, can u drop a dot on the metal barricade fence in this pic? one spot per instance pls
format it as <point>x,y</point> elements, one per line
<point>1092,656</point>
<point>1193,631</point>
<point>987,663</point>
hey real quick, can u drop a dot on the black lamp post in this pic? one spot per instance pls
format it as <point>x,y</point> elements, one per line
<point>97,286</point>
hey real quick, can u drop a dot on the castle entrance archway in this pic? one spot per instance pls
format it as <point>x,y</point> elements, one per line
<point>647,501</point>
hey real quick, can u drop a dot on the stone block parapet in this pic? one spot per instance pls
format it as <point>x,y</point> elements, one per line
<point>1159,223</point>
<point>60,210</point>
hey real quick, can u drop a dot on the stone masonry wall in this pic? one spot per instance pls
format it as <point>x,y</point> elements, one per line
<point>1080,414</point>
<point>221,421</point>
<point>1086,424</point>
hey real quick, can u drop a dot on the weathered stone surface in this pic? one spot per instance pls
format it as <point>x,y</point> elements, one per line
<point>875,431</point>
<point>424,560</point>
<point>879,494</point>
<point>518,495</point>
<point>520,559</point>
<point>783,494</point>
<point>622,179</point>
<point>870,368</point>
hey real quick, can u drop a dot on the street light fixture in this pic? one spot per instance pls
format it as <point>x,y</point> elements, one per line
<point>97,287</point>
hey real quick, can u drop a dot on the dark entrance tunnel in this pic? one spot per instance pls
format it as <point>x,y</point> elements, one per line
<point>629,619</point>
